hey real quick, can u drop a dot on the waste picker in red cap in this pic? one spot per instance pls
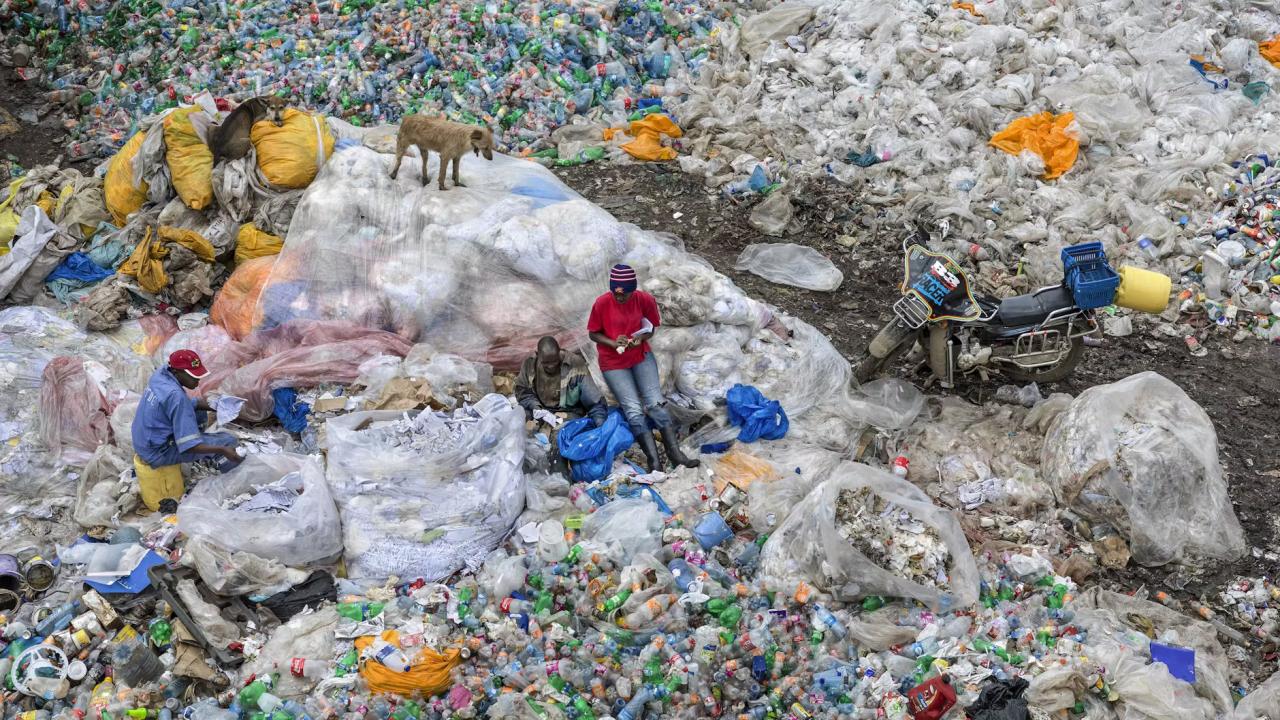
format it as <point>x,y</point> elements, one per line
<point>167,431</point>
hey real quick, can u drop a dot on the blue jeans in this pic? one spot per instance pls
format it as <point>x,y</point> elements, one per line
<point>639,392</point>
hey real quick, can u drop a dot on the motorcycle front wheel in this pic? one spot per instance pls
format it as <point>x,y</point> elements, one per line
<point>1050,373</point>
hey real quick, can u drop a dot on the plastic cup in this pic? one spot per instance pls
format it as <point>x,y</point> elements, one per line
<point>551,543</point>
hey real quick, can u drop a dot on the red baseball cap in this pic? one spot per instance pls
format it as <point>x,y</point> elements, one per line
<point>189,361</point>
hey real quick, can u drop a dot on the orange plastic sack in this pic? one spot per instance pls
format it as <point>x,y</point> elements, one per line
<point>1270,50</point>
<point>235,307</point>
<point>1045,135</point>
<point>741,469</point>
<point>648,134</point>
<point>121,196</point>
<point>430,672</point>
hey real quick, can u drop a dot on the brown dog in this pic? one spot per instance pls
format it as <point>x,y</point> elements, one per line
<point>230,140</point>
<point>450,139</point>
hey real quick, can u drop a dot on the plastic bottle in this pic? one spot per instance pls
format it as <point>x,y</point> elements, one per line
<point>359,611</point>
<point>1148,248</point>
<point>388,655</point>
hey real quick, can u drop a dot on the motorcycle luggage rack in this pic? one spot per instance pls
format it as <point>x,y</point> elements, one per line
<point>912,310</point>
<point>1038,343</point>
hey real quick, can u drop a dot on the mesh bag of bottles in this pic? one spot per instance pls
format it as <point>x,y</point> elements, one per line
<point>865,532</point>
<point>427,494</point>
<point>1142,456</point>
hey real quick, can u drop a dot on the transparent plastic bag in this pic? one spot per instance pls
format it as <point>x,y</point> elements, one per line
<point>808,545</point>
<point>307,530</point>
<point>627,526</point>
<point>791,264</point>
<point>230,572</point>
<point>427,494</point>
<point>307,637</point>
<point>1141,455</point>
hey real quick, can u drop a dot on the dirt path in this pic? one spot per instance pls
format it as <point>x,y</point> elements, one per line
<point>1237,384</point>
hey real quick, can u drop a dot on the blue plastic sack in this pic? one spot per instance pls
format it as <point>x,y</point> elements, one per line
<point>291,412</point>
<point>591,450</point>
<point>758,416</point>
<point>77,266</point>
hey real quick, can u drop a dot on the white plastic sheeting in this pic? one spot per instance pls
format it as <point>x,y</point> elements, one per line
<point>923,87</point>
<point>790,264</point>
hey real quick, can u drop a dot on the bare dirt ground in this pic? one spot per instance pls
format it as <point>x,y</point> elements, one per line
<point>1236,383</point>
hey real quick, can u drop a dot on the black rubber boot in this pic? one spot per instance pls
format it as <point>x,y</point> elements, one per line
<point>650,449</point>
<point>672,443</point>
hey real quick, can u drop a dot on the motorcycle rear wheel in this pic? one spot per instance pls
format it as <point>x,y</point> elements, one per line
<point>1050,373</point>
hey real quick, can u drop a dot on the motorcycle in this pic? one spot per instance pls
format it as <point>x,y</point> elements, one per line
<point>1036,337</point>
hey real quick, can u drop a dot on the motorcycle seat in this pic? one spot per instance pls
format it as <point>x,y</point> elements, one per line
<point>1022,310</point>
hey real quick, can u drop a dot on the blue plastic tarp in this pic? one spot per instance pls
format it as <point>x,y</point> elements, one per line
<point>758,416</point>
<point>591,450</point>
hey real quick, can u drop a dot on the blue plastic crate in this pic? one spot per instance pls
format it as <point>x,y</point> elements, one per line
<point>1087,275</point>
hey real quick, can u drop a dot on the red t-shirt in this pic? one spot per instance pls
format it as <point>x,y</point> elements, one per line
<point>613,318</point>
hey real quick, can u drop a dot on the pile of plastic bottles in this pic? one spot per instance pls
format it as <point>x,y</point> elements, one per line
<point>1235,286</point>
<point>524,68</point>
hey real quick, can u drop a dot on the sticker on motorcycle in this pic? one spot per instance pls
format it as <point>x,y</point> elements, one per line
<point>939,281</point>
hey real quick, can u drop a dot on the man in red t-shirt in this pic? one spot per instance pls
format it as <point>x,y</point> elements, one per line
<point>621,323</point>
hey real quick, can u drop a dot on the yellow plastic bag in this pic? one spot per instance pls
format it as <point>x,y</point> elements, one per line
<point>190,160</point>
<point>648,134</point>
<point>1270,50</point>
<point>254,243</point>
<point>121,195</point>
<point>147,261</point>
<point>8,218</point>
<point>1045,135</point>
<point>291,155</point>
<point>156,484</point>
<point>429,671</point>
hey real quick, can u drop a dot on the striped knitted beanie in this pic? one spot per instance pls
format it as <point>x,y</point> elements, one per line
<point>622,277</point>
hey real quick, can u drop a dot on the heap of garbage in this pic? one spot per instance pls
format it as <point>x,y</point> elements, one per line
<point>401,543</point>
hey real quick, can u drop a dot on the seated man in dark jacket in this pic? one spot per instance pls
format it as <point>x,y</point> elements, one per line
<point>548,386</point>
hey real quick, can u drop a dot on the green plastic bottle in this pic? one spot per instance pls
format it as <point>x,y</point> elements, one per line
<point>360,611</point>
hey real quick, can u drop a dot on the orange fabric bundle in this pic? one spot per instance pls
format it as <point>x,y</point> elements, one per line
<point>431,673</point>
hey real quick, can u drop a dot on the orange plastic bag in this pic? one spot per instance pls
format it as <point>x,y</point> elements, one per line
<point>648,134</point>
<point>235,307</point>
<point>430,672</point>
<point>741,469</point>
<point>1045,135</point>
<point>1270,50</point>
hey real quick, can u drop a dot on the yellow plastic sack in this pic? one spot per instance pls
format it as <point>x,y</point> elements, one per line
<point>118,188</point>
<point>648,134</point>
<point>1270,50</point>
<point>156,484</point>
<point>1045,135</point>
<point>291,155</point>
<point>147,261</point>
<point>8,218</point>
<point>189,158</point>
<point>429,672</point>
<point>254,243</point>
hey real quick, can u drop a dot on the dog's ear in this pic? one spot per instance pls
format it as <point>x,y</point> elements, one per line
<point>477,135</point>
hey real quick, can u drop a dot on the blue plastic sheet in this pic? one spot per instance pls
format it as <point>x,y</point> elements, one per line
<point>77,266</point>
<point>291,412</point>
<point>591,450</point>
<point>758,416</point>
